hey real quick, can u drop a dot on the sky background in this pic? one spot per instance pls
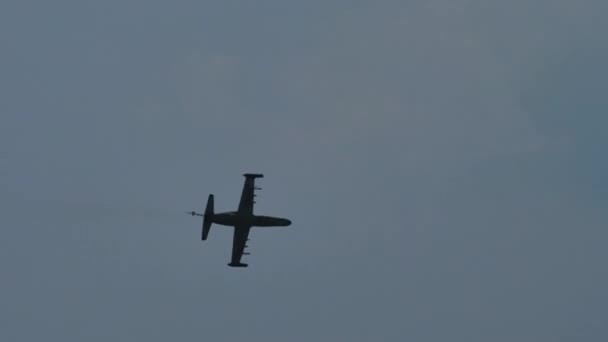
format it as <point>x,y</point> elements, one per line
<point>443,163</point>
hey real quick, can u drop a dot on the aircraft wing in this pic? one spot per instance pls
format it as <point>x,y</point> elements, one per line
<point>248,194</point>
<point>239,242</point>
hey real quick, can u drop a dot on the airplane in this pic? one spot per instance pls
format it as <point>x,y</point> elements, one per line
<point>242,220</point>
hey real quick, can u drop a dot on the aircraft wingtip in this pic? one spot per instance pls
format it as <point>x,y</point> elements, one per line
<point>253,175</point>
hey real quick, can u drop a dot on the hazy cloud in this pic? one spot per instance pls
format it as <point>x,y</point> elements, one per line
<point>442,162</point>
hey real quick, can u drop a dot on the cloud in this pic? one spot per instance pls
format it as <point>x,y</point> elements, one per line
<point>415,145</point>
<point>414,80</point>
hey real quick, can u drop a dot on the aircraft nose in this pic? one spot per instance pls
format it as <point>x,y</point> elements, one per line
<point>287,222</point>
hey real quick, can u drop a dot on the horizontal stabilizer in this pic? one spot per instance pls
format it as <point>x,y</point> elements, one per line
<point>237,264</point>
<point>208,218</point>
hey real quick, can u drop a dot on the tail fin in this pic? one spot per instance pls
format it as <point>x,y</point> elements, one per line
<point>208,218</point>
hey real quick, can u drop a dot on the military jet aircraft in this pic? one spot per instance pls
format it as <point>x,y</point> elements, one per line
<point>242,220</point>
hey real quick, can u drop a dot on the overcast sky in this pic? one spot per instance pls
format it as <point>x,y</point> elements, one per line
<point>443,163</point>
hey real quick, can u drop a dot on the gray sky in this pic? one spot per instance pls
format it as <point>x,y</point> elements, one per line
<point>443,163</point>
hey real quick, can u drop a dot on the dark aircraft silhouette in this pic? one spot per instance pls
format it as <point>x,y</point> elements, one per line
<point>242,220</point>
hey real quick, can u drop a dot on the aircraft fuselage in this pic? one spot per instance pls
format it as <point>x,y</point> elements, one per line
<point>234,218</point>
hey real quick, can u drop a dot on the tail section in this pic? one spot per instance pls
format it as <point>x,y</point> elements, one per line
<point>207,218</point>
